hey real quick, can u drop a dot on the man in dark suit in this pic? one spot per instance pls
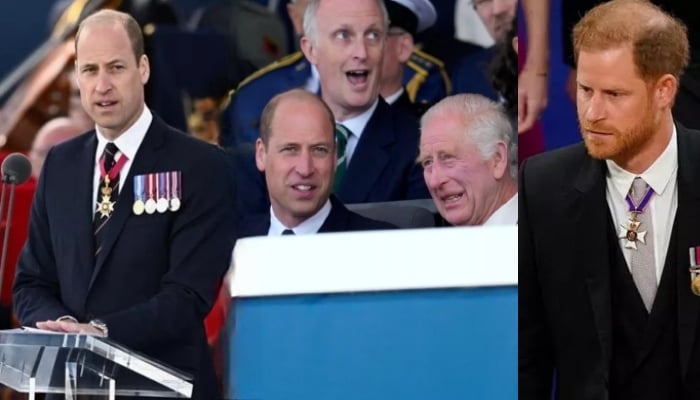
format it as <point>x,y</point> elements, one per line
<point>132,225</point>
<point>345,40</point>
<point>606,309</point>
<point>297,152</point>
<point>424,76</point>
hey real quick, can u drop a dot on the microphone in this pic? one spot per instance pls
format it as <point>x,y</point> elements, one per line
<point>16,169</point>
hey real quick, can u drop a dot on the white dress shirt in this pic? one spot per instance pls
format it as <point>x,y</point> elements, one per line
<point>128,144</point>
<point>661,177</point>
<point>507,214</point>
<point>357,125</point>
<point>308,227</point>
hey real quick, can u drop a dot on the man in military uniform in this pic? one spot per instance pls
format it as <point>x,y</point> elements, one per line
<point>411,78</point>
<point>424,77</point>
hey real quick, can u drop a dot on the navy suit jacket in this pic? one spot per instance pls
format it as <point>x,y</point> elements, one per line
<point>157,275</point>
<point>383,166</point>
<point>340,219</point>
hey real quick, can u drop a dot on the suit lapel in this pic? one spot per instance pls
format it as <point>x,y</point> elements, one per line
<point>145,161</point>
<point>687,218</point>
<point>337,219</point>
<point>590,216</point>
<point>83,190</point>
<point>370,157</point>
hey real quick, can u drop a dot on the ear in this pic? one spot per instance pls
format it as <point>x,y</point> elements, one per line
<point>665,90</point>
<point>260,155</point>
<point>406,46</point>
<point>308,49</point>
<point>144,69</point>
<point>515,44</point>
<point>499,161</point>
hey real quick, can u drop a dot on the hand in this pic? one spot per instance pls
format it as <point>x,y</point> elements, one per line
<point>69,327</point>
<point>532,97</point>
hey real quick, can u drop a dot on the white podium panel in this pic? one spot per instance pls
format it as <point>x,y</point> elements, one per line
<point>409,314</point>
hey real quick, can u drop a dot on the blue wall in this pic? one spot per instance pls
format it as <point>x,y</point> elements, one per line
<point>559,119</point>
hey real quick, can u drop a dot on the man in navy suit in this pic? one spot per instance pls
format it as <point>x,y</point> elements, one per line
<point>132,224</point>
<point>297,152</point>
<point>423,75</point>
<point>345,41</point>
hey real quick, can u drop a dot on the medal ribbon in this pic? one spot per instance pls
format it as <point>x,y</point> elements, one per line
<point>138,187</point>
<point>151,186</point>
<point>114,171</point>
<point>175,185</point>
<point>161,185</point>
<point>638,209</point>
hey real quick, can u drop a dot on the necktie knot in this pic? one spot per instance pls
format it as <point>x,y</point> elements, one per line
<point>288,232</point>
<point>639,189</point>
<point>109,153</point>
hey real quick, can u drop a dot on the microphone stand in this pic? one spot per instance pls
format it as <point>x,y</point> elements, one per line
<point>8,221</point>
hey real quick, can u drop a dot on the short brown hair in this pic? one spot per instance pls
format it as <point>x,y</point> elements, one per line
<point>295,94</point>
<point>132,28</point>
<point>659,41</point>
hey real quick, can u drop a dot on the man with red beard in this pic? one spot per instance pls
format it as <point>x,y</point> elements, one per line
<point>606,309</point>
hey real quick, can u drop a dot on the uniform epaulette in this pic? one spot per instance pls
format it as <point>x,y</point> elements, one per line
<point>424,65</point>
<point>282,62</point>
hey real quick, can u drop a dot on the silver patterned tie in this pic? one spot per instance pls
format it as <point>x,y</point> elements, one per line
<point>642,261</point>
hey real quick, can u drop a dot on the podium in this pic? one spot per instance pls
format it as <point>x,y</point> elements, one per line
<point>75,364</point>
<point>410,314</point>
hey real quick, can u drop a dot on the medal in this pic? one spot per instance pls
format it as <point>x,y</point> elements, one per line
<point>695,285</point>
<point>631,232</point>
<point>150,205</point>
<point>694,270</point>
<point>175,191</point>
<point>106,206</point>
<point>162,203</point>
<point>139,195</point>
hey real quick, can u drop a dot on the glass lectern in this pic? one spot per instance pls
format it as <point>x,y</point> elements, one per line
<point>77,364</point>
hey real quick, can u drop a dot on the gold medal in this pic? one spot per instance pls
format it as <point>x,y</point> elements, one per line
<point>138,207</point>
<point>695,285</point>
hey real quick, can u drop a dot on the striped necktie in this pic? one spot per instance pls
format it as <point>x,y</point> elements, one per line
<point>107,193</point>
<point>341,139</point>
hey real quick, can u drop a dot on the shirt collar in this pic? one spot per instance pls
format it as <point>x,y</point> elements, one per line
<point>657,176</point>
<point>357,123</point>
<point>391,99</point>
<point>129,141</point>
<point>309,227</point>
<point>507,214</point>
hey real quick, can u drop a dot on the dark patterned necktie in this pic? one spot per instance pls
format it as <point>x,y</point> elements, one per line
<point>288,232</point>
<point>107,194</point>
<point>341,141</point>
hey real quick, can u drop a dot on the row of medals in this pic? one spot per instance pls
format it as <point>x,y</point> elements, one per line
<point>632,235</point>
<point>150,206</point>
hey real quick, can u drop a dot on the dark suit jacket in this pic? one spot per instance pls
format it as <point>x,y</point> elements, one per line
<point>340,219</point>
<point>383,167</point>
<point>564,266</point>
<point>157,275</point>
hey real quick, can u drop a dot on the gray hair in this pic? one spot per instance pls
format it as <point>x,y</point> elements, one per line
<point>484,121</point>
<point>310,19</point>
